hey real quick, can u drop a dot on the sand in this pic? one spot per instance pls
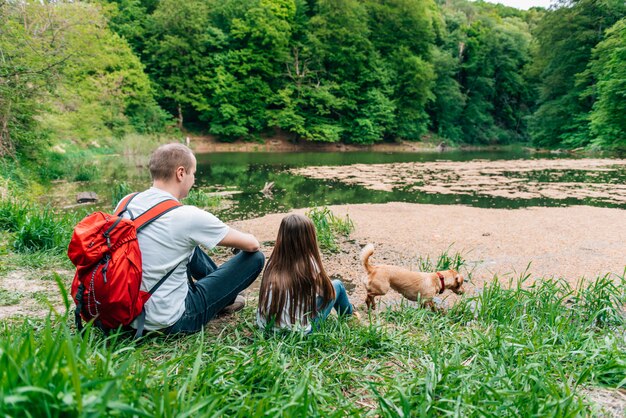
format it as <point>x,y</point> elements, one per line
<point>566,242</point>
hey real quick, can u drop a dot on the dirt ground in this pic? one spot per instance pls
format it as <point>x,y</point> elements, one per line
<point>570,243</point>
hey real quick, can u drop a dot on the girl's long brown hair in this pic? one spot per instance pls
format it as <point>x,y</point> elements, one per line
<point>294,271</point>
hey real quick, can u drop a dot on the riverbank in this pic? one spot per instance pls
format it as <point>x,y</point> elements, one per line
<point>569,243</point>
<point>282,143</point>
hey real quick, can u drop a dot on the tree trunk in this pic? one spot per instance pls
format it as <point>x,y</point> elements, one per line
<point>180,117</point>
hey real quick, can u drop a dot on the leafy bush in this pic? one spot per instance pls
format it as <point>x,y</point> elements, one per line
<point>86,172</point>
<point>55,168</point>
<point>328,226</point>
<point>148,118</point>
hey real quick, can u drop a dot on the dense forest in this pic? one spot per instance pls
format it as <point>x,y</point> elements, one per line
<point>357,71</point>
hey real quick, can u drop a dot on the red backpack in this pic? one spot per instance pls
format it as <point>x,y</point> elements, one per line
<point>105,251</point>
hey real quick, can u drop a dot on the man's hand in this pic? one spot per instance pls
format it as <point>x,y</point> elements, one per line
<point>240,240</point>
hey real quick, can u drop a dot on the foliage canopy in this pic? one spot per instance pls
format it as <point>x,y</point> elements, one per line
<point>318,70</point>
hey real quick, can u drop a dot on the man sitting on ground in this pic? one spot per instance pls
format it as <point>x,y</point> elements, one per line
<point>171,243</point>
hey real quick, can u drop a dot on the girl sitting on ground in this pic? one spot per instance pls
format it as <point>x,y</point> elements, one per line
<point>296,293</point>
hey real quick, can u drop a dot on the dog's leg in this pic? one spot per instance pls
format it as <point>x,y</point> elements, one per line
<point>377,285</point>
<point>430,305</point>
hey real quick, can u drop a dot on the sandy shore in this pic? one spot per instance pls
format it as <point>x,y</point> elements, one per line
<point>570,243</point>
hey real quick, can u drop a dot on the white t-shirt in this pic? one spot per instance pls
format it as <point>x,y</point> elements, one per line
<point>165,243</point>
<point>285,318</point>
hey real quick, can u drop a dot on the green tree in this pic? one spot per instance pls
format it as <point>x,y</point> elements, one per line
<point>513,95</point>
<point>31,58</point>
<point>477,78</point>
<point>63,73</point>
<point>104,90</point>
<point>447,107</point>
<point>482,92</point>
<point>128,18</point>
<point>608,117</point>
<point>345,63</point>
<point>219,62</point>
<point>402,31</point>
<point>179,46</point>
<point>248,73</point>
<point>565,38</point>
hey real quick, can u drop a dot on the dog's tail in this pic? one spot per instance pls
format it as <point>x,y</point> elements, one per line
<point>366,253</point>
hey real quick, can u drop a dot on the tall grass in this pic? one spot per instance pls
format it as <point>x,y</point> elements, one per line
<point>44,230</point>
<point>86,171</point>
<point>445,261</point>
<point>120,190</point>
<point>75,165</point>
<point>526,351</point>
<point>12,214</point>
<point>36,228</point>
<point>328,227</point>
<point>201,199</point>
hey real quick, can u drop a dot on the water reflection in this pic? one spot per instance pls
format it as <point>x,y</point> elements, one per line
<point>249,172</point>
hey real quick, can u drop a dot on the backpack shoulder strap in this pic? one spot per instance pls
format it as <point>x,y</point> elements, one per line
<point>155,212</point>
<point>124,203</point>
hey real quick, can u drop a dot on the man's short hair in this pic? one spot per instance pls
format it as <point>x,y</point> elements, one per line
<point>167,158</point>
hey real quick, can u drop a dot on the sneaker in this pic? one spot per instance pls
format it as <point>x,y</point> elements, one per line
<point>236,306</point>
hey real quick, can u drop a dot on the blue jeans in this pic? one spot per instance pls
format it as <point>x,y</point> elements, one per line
<point>215,287</point>
<point>341,304</point>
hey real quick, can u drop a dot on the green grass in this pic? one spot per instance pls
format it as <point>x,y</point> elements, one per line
<point>328,227</point>
<point>86,172</point>
<point>36,261</point>
<point>445,261</point>
<point>509,351</point>
<point>13,214</point>
<point>120,190</point>
<point>201,199</point>
<point>75,165</point>
<point>10,297</point>
<point>44,230</point>
<point>35,228</point>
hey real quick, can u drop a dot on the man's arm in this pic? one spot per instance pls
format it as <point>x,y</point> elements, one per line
<point>238,239</point>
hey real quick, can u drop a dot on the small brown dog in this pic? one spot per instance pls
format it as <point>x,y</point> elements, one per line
<point>411,284</point>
